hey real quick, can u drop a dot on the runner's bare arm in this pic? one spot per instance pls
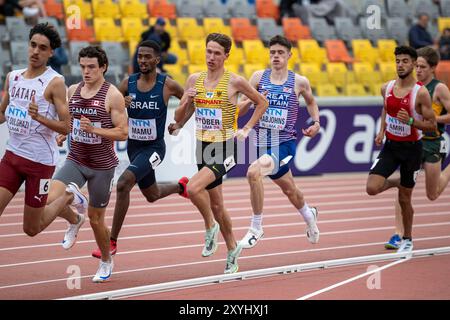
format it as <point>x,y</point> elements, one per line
<point>257,99</point>
<point>423,102</point>
<point>123,88</point>
<point>304,89</point>
<point>380,136</point>
<point>115,104</point>
<point>245,103</point>
<point>5,100</point>
<point>58,96</point>
<point>443,94</point>
<point>184,109</point>
<point>172,88</point>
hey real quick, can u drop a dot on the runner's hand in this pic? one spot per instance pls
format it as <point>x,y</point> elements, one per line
<point>403,116</point>
<point>379,138</point>
<point>242,134</point>
<point>191,93</point>
<point>33,109</point>
<point>86,125</point>
<point>174,128</point>
<point>312,130</point>
<point>128,100</point>
<point>60,138</point>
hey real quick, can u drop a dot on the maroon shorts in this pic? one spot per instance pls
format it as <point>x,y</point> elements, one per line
<point>15,170</point>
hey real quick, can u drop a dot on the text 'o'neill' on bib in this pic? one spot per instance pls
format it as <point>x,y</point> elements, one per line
<point>142,129</point>
<point>19,121</point>
<point>79,135</point>
<point>208,118</point>
<point>274,118</point>
<point>396,127</point>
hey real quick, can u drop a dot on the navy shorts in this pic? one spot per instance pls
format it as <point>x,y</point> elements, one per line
<point>144,160</point>
<point>281,155</point>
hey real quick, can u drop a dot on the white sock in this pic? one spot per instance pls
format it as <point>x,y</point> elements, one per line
<point>307,214</point>
<point>257,221</point>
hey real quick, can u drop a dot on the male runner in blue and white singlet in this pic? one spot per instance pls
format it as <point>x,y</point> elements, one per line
<point>276,136</point>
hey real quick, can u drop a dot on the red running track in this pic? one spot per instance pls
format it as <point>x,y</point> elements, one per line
<point>162,242</point>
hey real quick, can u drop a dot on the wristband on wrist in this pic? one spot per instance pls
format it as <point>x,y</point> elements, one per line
<point>314,121</point>
<point>410,121</point>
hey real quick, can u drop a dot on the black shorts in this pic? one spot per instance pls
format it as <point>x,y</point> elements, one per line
<point>219,157</point>
<point>407,155</point>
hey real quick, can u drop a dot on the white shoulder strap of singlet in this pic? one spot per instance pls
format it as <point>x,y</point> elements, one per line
<point>414,92</point>
<point>389,88</point>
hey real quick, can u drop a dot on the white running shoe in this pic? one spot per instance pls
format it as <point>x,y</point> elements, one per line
<point>80,202</point>
<point>104,271</point>
<point>312,231</point>
<point>251,238</point>
<point>406,246</point>
<point>70,237</point>
<point>211,238</point>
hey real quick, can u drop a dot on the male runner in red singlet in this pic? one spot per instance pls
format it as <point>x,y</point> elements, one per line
<point>35,109</point>
<point>407,110</point>
<point>98,119</point>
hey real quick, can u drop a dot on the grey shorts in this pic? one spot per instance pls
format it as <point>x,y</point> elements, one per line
<point>99,182</point>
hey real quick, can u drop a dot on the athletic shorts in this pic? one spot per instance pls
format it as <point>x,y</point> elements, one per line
<point>281,155</point>
<point>434,150</point>
<point>99,182</point>
<point>407,155</point>
<point>219,157</point>
<point>14,170</point>
<point>144,160</point>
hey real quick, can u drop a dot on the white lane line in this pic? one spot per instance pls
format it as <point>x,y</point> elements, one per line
<point>217,260</point>
<point>342,283</point>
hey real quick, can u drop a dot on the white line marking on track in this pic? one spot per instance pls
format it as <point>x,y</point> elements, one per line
<point>365,274</point>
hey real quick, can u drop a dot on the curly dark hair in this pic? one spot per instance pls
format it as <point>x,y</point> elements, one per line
<point>48,31</point>
<point>406,50</point>
<point>95,52</point>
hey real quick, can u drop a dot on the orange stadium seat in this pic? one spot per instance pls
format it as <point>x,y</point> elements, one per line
<point>294,30</point>
<point>443,72</point>
<point>54,8</point>
<point>84,33</point>
<point>242,29</point>
<point>267,9</point>
<point>337,51</point>
<point>160,8</point>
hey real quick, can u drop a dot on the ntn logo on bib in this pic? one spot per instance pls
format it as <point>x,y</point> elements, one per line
<point>274,118</point>
<point>18,120</point>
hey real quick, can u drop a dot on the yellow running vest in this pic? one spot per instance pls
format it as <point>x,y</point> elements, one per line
<point>215,116</point>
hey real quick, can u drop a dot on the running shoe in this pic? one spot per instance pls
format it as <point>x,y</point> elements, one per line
<point>232,260</point>
<point>112,250</point>
<point>80,202</point>
<point>211,241</point>
<point>104,271</point>
<point>183,183</point>
<point>406,246</point>
<point>70,237</point>
<point>251,238</point>
<point>393,243</point>
<point>312,231</point>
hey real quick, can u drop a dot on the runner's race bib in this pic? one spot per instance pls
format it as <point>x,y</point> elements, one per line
<point>19,121</point>
<point>208,118</point>
<point>79,135</point>
<point>142,129</point>
<point>274,118</point>
<point>396,127</point>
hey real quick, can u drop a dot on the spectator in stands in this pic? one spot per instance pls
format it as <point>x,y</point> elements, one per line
<point>328,9</point>
<point>444,44</point>
<point>418,35</point>
<point>58,59</point>
<point>286,8</point>
<point>8,7</point>
<point>158,34</point>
